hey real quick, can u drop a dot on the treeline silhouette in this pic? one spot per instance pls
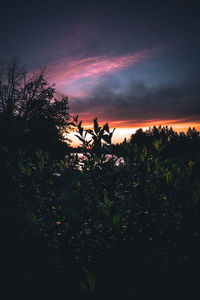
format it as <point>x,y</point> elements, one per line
<point>93,229</point>
<point>174,144</point>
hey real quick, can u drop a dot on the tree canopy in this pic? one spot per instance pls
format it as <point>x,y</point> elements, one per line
<point>32,115</point>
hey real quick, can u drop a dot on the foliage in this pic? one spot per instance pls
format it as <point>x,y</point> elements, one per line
<point>31,117</point>
<point>138,218</point>
<point>174,144</point>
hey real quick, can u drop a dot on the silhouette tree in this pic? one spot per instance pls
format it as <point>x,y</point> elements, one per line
<point>31,116</point>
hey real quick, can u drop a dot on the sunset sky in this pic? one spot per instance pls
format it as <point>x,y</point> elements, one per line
<point>129,63</point>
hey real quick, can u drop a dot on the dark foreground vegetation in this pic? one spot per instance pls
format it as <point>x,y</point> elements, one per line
<point>94,229</point>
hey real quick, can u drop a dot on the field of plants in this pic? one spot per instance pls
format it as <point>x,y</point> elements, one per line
<point>98,229</point>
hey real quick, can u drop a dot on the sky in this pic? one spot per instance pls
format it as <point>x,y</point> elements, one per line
<point>129,63</point>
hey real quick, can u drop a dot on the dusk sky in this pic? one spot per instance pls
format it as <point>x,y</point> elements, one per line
<point>131,64</point>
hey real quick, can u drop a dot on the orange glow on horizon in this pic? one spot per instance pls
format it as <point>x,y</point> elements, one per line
<point>123,131</point>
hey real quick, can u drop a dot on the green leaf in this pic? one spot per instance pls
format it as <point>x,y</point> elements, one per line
<point>78,184</point>
<point>116,219</point>
<point>28,171</point>
<point>83,285</point>
<point>196,196</point>
<point>157,144</point>
<point>161,148</point>
<point>142,156</point>
<point>191,163</point>
<point>179,215</point>
<point>5,149</point>
<point>106,200</point>
<point>91,281</point>
<point>96,158</point>
<point>23,170</point>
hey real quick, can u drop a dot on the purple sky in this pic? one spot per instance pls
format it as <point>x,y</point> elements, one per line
<point>128,63</point>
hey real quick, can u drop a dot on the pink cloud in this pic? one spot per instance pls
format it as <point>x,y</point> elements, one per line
<point>70,74</point>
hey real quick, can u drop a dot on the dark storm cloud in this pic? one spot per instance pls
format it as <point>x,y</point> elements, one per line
<point>142,104</point>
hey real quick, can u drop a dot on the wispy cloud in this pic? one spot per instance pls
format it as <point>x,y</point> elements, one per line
<point>72,74</point>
